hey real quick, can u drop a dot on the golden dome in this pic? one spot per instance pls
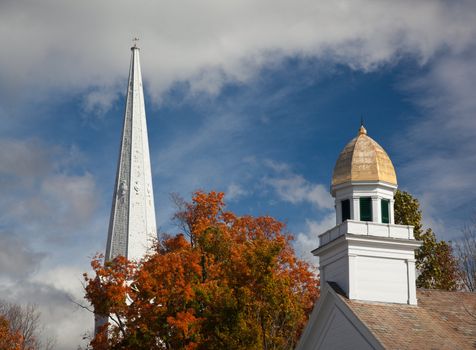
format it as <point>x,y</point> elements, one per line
<point>363,159</point>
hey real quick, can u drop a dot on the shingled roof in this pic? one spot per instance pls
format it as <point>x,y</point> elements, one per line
<point>442,320</point>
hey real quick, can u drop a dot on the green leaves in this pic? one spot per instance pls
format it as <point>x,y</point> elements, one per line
<point>436,265</point>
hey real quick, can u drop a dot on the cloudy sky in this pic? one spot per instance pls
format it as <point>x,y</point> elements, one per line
<point>253,98</point>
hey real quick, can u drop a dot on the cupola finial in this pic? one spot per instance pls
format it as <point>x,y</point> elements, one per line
<point>362,129</point>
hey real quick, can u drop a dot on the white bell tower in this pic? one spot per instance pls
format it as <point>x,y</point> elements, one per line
<point>366,254</point>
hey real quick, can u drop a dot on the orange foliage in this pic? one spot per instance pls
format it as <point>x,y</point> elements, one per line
<point>9,340</point>
<point>236,284</point>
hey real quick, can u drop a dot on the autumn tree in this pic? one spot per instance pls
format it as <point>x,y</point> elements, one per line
<point>435,262</point>
<point>9,338</point>
<point>24,325</point>
<point>232,282</point>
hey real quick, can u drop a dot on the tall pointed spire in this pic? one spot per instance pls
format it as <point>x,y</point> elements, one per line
<point>132,226</point>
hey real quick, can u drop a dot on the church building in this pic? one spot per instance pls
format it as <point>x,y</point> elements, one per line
<point>369,298</point>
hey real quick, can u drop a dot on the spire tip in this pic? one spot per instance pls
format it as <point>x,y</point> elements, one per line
<point>135,40</point>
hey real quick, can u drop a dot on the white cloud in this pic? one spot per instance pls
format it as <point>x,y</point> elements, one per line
<point>235,191</point>
<point>295,189</point>
<point>63,320</point>
<point>44,210</point>
<point>279,167</point>
<point>308,240</point>
<point>440,162</point>
<point>28,277</point>
<point>71,46</point>
<point>100,100</point>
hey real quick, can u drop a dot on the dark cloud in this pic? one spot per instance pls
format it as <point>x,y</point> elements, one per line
<point>17,259</point>
<point>38,192</point>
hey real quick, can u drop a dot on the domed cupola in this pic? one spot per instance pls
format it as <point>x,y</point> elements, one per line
<point>363,159</point>
<point>364,181</point>
<point>366,254</point>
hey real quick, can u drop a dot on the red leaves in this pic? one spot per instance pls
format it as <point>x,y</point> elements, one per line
<point>237,285</point>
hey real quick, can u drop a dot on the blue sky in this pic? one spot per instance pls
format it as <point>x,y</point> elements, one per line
<point>253,98</point>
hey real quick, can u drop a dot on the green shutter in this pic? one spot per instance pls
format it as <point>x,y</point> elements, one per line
<point>345,206</point>
<point>365,209</point>
<point>385,211</point>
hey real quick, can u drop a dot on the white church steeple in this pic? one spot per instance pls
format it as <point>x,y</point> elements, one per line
<point>132,226</point>
<point>366,254</point>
